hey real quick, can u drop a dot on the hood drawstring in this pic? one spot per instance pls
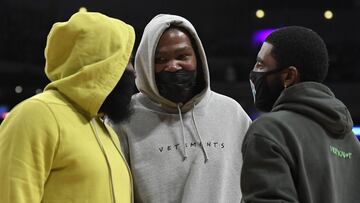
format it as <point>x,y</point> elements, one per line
<point>182,131</point>
<point>101,145</point>
<point>198,134</point>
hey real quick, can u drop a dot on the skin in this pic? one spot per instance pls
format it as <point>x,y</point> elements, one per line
<point>175,52</point>
<point>130,67</point>
<point>266,62</point>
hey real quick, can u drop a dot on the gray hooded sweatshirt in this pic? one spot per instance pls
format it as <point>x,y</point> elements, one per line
<point>182,152</point>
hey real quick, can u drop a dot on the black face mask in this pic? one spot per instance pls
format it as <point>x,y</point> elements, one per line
<point>265,94</point>
<point>176,86</point>
<point>117,105</point>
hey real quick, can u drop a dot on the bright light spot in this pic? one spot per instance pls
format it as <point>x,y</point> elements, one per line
<point>82,9</point>
<point>18,89</point>
<point>3,115</point>
<point>260,13</point>
<point>37,91</point>
<point>328,14</point>
<point>356,130</point>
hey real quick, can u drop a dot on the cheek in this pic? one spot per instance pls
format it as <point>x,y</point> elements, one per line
<point>159,68</point>
<point>190,65</point>
<point>273,81</point>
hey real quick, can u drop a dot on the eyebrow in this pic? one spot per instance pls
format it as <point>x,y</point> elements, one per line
<point>184,48</point>
<point>259,59</point>
<point>180,49</point>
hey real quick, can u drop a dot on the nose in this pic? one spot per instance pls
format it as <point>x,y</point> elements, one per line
<point>172,66</point>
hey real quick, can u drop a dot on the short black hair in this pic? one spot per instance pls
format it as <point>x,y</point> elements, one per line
<point>300,47</point>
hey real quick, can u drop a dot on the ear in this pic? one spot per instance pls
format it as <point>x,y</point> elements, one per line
<point>290,76</point>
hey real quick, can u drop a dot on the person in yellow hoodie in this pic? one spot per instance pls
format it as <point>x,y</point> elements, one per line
<point>55,146</point>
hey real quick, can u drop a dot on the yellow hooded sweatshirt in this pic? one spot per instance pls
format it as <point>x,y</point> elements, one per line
<point>54,147</point>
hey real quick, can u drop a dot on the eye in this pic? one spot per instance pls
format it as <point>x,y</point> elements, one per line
<point>160,60</point>
<point>182,57</point>
<point>258,64</point>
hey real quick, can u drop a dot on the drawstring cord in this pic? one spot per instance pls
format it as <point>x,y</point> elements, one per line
<point>198,134</point>
<point>182,131</point>
<point>93,126</point>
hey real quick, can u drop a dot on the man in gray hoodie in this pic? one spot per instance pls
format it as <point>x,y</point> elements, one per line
<point>183,140</point>
<point>304,149</point>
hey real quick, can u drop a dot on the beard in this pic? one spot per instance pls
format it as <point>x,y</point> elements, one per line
<point>117,106</point>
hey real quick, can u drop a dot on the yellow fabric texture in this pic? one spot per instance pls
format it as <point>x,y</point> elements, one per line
<point>50,152</point>
<point>86,56</point>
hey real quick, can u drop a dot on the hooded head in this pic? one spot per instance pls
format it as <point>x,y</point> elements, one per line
<point>156,83</point>
<point>288,56</point>
<point>86,57</point>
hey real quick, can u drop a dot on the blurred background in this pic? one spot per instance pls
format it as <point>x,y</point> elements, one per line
<point>231,31</point>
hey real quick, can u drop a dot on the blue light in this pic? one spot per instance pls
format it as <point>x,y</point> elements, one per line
<point>260,36</point>
<point>3,109</point>
<point>356,130</point>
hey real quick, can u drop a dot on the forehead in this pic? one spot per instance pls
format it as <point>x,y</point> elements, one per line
<point>174,36</point>
<point>265,50</point>
<point>266,58</point>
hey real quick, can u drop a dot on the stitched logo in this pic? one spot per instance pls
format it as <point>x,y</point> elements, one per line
<point>339,153</point>
<point>217,145</point>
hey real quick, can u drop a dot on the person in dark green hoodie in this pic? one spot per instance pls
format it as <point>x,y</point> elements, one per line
<point>304,149</point>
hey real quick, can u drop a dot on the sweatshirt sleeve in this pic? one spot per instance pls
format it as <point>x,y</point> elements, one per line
<point>266,174</point>
<point>28,142</point>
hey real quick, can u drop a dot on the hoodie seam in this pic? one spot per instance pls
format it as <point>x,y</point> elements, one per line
<point>58,128</point>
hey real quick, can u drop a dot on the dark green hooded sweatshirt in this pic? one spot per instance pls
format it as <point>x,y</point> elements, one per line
<point>304,150</point>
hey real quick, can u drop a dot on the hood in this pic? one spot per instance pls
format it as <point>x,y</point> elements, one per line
<point>86,57</point>
<point>145,60</point>
<point>317,102</point>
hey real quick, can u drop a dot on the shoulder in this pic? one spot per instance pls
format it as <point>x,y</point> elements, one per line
<point>224,100</point>
<point>225,104</point>
<point>34,119</point>
<point>277,118</point>
<point>139,100</point>
<point>266,123</point>
<point>272,126</point>
<point>271,133</point>
<point>33,112</point>
<point>32,107</point>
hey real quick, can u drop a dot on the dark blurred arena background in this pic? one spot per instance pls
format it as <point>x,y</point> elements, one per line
<point>227,29</point>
